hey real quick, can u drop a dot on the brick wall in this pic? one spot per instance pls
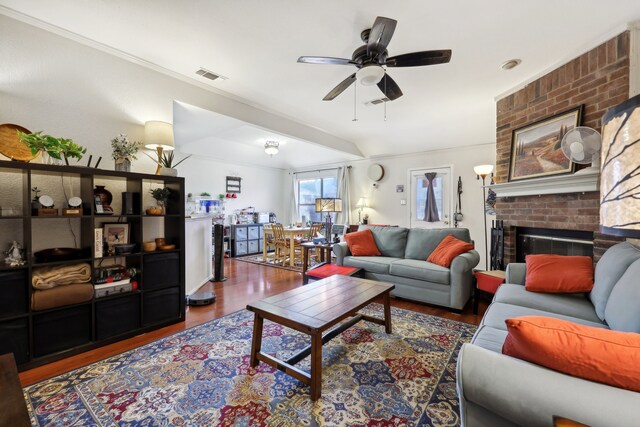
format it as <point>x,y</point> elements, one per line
<point>599,79</point>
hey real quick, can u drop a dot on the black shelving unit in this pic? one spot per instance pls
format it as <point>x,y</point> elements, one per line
<point>39,337</point>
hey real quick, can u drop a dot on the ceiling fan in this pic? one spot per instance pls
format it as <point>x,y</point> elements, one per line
<point>373,56</point>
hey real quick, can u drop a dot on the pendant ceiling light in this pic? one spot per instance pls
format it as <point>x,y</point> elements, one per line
<point>370,75</point>
<point>271,147</point>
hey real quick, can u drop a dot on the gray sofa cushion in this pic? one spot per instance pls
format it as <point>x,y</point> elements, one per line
<point>574,305</point>
<point>421,270</point>
<point>622,313</point>
<point>609,269</point>
<point>490,338</point>
<point>374,264</point>
<point>498,312</point>
<point>421,242</point>
<point>390,240</point>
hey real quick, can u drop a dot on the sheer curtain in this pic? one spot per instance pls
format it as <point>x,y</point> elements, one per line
<point>293,201</point>
<point>344,178</point>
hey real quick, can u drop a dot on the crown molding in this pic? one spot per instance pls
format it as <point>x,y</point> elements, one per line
<point>630,26</point>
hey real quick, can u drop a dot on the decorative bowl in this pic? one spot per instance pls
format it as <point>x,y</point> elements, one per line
<point>154,211</point>
<point>167,247</point>
<point>57,254</point>
<point>124,248</point>
<point>160,241</point>
<point>149,246</point>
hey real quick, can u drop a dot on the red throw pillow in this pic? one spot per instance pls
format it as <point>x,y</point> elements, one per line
<point>361,243</point>
<point>448,249</point>
<point>595,354</point>
<point>559,274</point>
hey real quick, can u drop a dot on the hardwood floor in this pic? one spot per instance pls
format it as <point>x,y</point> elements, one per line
<point>246,283</point>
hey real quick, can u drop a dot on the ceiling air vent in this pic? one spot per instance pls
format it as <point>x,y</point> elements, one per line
<point>377,101</point>
<point>209,74</point>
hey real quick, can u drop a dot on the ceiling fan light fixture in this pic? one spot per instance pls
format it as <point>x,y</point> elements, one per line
<point>370,75</point>
<point>271,147</point>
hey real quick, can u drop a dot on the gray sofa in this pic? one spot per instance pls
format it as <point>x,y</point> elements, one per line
<point>498,390</point>
<point>403,263</point>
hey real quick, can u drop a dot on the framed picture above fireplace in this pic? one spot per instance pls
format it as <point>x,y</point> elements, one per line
<point>535,148</point>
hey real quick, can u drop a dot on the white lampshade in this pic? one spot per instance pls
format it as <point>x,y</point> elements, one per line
<point>362,203</point>
<point>158,135</point>
<point>271,147</point>
<point>483,170</point>
<point>370,75</point>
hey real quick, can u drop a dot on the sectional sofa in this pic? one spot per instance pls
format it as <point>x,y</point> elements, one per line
<point>498,390</point>
<point>403,263</point>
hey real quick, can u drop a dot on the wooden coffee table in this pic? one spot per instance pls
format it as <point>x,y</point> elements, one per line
<point>313,309</point>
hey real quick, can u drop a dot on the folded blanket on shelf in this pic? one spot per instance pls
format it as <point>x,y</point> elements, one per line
<point>50,277</point>
<point>64,295</point>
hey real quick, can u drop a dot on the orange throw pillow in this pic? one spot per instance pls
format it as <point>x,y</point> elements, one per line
<point>595,354</point>
<point>448,249</point>
<point>361,243</point>
<point>559,273</point>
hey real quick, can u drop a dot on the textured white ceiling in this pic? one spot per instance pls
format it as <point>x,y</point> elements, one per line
<point>256,43</point>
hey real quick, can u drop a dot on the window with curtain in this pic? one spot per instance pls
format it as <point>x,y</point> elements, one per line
<point>311,186</point>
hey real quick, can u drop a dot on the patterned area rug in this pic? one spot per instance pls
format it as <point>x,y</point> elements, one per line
<point>201,377</point>
<point>257,259</point>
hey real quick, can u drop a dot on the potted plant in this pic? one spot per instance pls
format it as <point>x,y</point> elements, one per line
<point>161,195</point>
<point>124,151</point>
<point>55,148</point>
<point>166,163</point>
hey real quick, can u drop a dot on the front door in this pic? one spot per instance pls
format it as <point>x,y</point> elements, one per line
<point>424,214</point>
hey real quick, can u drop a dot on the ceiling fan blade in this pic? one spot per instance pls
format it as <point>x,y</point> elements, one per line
<point>380,35</point>
<point>340,88</point>
<point>416,59</point>
<point>390,88</point>
<point>325,60</point>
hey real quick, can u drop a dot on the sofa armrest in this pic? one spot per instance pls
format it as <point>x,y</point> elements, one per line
<point>461,280</point>
<point>466,261</point>
<point>516,273</point>
<point>341,250</point>
<point>528,394</point>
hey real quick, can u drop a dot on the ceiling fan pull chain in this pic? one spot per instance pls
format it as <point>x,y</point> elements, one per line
<point>385,95</point>
<point>355,103</point>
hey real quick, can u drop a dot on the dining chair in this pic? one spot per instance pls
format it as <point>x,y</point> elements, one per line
<point>269,241</point>
<point>280,243</point>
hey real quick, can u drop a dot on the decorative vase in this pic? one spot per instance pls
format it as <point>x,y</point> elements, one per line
<point>105,196</point>
<point>123,164</point>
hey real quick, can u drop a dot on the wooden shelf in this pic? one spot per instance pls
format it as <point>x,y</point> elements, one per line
<point>70,329</point>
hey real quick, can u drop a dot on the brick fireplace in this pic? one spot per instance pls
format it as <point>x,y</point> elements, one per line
<point>599,79</point>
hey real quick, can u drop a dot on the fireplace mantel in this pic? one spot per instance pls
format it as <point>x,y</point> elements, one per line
<point>584,181</point>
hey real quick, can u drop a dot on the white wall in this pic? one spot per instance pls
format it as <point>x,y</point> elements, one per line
<point>67,89</point>
<point>385,202</point>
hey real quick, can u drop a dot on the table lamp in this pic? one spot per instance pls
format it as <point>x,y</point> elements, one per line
<point>328,205</point>
<point>362,203</point>
<point>158,136</point>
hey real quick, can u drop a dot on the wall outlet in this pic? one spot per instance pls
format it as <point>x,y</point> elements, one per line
<point>403,202</point>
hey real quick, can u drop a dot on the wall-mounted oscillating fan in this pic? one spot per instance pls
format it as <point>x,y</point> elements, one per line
<point>582,145</point>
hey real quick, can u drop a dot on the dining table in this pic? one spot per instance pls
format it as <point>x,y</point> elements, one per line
<point>290,233</point>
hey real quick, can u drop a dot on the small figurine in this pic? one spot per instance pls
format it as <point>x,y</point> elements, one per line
<point>15,255</point>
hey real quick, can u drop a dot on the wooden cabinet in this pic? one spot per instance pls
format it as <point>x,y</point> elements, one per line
<point>36,337</point>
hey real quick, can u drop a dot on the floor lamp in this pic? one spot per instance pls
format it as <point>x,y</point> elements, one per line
<point>482,171</point>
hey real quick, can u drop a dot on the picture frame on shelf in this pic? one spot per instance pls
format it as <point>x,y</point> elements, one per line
<point>115,233</point>
<point>535,148</point>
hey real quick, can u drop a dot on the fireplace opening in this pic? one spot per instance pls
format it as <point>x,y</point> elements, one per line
<point>531,241</point>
